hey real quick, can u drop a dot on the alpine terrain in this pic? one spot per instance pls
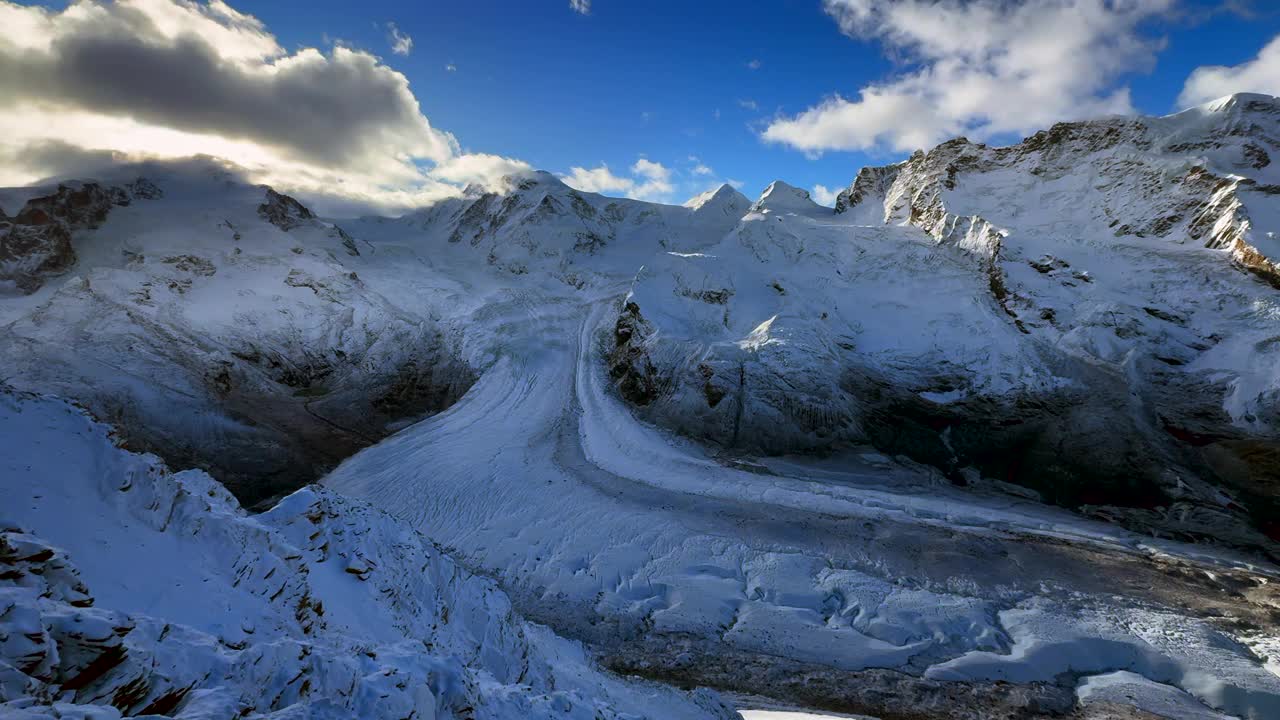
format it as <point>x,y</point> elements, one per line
<point>997,436</point>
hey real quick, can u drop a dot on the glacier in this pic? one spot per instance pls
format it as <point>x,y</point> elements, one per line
<point>995,437</point>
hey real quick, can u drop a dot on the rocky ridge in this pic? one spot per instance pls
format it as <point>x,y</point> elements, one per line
<point>36,242</point>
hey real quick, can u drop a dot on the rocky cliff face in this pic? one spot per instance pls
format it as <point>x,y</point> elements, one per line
<point>1083,313</point>
<point>36,242</point>
<point>1201,178</point>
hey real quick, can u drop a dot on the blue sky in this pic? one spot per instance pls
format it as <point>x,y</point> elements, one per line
<point>670,80</point>
<point>312,96</point>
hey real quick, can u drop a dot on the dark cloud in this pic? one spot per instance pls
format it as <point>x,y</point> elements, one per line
<point>341,109</point>
<point>55,158</point>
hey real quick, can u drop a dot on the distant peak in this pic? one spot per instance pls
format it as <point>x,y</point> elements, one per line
<point>532,179</point>
<point>780,195</point>
<point>781,186</point>
<point>723,196</point>
<point>1241,102</point>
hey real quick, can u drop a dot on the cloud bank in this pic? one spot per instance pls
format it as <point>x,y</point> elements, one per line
<point>648,181</point>
<point>1259,75</point>
<point>978,68</point>
<point>142,79</point>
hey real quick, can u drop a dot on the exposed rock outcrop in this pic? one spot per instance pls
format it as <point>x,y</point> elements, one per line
<point>284,211</point>
<point>36,242</point>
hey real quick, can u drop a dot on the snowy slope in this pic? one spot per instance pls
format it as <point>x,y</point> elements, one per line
<point>223,327</point>
<point>142,591</point>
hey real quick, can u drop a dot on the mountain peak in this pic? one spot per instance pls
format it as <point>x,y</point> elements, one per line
<point>1242,98</point>
<point>524,181</point>
<point>783,196</point>
<point>724,197</point>
<point>1238,103</point>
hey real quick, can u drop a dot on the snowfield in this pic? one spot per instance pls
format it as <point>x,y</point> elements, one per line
<point>995,438</point>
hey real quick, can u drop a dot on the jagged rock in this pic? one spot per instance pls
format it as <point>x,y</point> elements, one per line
<point>284,211</point>
<point>348,242</point>
<point>36,243</point>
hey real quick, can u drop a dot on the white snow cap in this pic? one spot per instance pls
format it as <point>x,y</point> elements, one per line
<point>724,197</point>
<point>1234,100</point>
<point>780,196</point>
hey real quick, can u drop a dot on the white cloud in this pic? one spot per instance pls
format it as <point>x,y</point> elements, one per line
<point>824,196</point>
<point>698,167</point>
<point>401,43</point>
<point>134,80</point>
<point>580,6</point>
<point>979,68</point>
<point>451,68</point>
<point>648,181</point>
<point>656,183</point>
<point>1259,75</point>
<point>600,179</point>
<point>480,168</point>
<point>748,104</point>
<point>651,170</point>
<point>754,64</point>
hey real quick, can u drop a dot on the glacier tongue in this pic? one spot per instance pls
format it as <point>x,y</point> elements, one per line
<point>854,576</point>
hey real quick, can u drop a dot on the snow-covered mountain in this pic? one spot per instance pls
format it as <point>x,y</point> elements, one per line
<point>221,325</point>
<point>1089,313</point>
<point>766,447</point>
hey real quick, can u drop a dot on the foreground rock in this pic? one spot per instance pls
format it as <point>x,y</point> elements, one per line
<point>129,590</point>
